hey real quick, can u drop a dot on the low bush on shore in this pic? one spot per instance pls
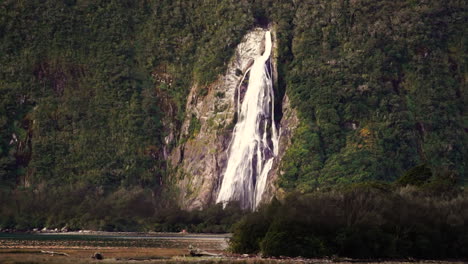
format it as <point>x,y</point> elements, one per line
<point>88,207</point>
<point>369,220</point>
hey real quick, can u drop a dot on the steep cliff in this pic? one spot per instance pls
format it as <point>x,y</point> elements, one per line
<point>97,99</point>
<point>201,157</point>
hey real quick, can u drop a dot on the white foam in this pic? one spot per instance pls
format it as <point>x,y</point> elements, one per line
<point>255,138</point>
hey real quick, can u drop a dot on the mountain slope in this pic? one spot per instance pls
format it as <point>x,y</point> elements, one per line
<point>93,93</point>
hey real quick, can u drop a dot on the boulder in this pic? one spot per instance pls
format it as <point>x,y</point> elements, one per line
<point>196,252</point>
<point>97,256</point>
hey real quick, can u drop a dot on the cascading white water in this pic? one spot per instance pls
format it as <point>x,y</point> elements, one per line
<point>255,138</point>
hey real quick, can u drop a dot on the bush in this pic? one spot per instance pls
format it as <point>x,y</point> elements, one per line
<point>417,176</point>
<point>124,209</point>
<point>360,221</point>
<point>248,233</point>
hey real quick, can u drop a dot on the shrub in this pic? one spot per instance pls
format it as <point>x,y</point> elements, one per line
<point>361,221</point>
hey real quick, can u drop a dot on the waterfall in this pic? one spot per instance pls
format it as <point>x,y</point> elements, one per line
<point>255,137</point>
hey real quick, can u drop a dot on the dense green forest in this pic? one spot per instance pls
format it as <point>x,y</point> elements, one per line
<point>381,88</point>
<point>366,220</point>
<point>80,99</point>
<point>90,89</point>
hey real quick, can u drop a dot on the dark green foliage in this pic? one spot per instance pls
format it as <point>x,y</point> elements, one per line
<point>248,233</point>
<point>124,209</point>
<point>360,221</point>
<point>90,89</point>
<point>417,176</point>
<point>87,85</point>
<point>194,126</point>
<point>378,86</point>
<point>291,238</point>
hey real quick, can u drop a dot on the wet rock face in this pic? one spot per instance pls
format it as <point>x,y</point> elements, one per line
<point>207,129</point>
<point>288,125</point>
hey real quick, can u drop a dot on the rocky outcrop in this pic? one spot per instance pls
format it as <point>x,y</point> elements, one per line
<point>288,125</point>
<point>201,156</point>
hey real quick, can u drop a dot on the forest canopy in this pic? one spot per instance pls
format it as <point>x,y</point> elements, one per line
<point>89,91</point>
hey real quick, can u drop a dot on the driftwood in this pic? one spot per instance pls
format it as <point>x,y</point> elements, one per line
<point>196,252</point>
<point>54,253</point>
<point>142,258</point>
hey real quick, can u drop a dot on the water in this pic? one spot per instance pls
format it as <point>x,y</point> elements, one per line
<point>255,138</point>
<point>107,239</point>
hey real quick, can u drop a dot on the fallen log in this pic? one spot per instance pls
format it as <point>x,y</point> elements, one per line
<point>195,252</point>
<point>54,253</point>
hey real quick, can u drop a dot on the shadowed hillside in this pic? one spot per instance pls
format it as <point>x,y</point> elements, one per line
<point>93,97</point>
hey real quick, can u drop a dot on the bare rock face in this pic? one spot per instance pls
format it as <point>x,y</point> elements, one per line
<point>201,159</point>
<point>288,125</point>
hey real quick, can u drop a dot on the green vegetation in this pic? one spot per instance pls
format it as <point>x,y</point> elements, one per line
<point>371,220</point>
<point>194,126</point>
<point>379,88</point>
<point>90,89</point>
<point>84,207</point>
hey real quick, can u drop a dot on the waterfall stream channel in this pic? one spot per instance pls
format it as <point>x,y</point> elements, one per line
<point>254,143</point>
